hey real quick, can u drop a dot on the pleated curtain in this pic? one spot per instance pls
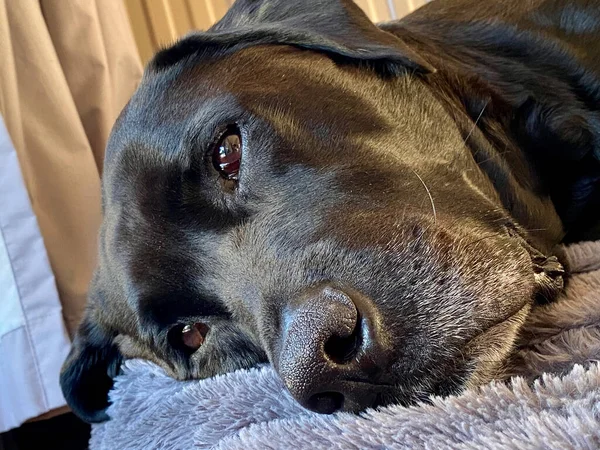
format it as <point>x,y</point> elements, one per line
<point>68,68</point>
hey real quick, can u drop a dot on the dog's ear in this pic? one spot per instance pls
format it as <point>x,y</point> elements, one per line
<point>549,273</point>
<point>87,373</point>
<point>337,27</point>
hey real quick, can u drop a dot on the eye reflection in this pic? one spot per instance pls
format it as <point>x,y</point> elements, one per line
<point>193,335</point>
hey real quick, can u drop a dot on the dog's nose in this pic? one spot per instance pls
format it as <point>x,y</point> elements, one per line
<point>326,358</point>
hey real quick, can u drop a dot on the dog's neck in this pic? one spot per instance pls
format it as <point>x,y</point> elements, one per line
<point>520,117</point>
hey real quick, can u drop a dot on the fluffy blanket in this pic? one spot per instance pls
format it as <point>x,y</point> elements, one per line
<point>251,409</point>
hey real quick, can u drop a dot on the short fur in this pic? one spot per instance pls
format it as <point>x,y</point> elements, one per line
<point>429,165</point>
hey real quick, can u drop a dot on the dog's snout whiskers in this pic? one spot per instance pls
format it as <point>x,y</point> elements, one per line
<point>429,194</point>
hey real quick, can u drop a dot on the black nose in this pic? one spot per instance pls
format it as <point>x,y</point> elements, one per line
<point>329,355</point>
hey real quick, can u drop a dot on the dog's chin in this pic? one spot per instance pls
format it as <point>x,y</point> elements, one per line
<point>491,350</point>
<point>423,393</point>
<point>482,359</point>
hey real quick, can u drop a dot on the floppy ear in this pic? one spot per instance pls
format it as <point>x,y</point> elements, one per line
<point>336,27</point>
<point>549,273</point>
<point>86,375</point>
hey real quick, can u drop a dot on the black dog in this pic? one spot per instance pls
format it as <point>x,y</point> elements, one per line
<point>372,210</point>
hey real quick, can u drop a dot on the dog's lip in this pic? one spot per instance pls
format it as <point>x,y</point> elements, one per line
<point>368,383</point>
<point>497,323</point>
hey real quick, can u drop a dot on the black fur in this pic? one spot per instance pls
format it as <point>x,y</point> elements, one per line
<point>304,24</point>
<point>88,372</point>
<point>426,169</point>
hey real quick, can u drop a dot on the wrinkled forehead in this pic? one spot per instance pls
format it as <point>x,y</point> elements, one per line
<point>292,90</point>
<point>297,96</point>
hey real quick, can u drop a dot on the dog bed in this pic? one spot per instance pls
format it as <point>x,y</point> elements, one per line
<point>553,402</point>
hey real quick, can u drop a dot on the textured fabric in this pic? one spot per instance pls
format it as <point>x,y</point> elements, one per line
<point>33,339</point>
<point>568,331</point>
<point>252,410</point>
<point>68,68</point>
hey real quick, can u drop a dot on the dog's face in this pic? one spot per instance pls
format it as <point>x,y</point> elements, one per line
<point>274,204</point>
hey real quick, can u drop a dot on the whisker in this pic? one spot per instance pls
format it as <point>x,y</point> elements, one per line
<point>491,157</point>
<point>500,219</point>
<point>477,120</point>
<point>429,194</point>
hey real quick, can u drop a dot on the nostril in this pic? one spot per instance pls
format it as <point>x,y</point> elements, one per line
<point>342,349</point>
<point>326,402</point>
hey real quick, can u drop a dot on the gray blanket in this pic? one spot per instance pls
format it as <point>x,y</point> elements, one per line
<point>252,410</point>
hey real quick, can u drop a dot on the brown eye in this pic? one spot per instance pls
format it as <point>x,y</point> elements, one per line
<point>192,336</point>
<point>227,154</point>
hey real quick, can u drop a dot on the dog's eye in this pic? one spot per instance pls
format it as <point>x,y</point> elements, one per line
<point>190,337</point>
<point>227,154</point>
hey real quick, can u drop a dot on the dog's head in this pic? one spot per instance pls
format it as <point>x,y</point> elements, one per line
<point>285,188</point>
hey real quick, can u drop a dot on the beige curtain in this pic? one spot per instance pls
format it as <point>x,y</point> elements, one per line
<point>68,68</point>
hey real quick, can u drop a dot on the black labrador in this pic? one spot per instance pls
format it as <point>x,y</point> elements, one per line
<point>373,210</point>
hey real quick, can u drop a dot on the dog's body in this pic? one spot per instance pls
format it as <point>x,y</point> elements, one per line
<point>391,222</point>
